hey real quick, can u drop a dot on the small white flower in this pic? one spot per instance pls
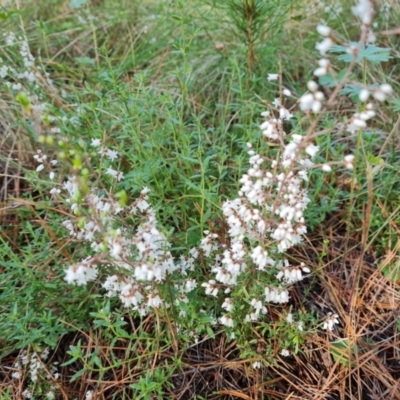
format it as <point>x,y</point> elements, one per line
<point>227,321</point>
<point>273,77</point>
<point>112,172</point>
<point>257,365</point>
<point>115,174</point>
<point>321,71</point>
<point>364,94</point>
<point>40,168</point>
<point>311,101</point>
<point>16,375</point>
<point>312,86</point>
<point>95,142</point>
<point>323,30</point>
<point>348,161</point>
<point>300,326</point>
<point>330,321</point>
<point>154,300</point>
<point>276,103</point>
<point>285,353</point>
<point>211,289</point>
<point>324,63</point>
<point>55,191</point>
<point>312,150</point>
<point>286,92</point>
<point>326,168</point>
<point>324,46</point>
<point>145,190</point>
<point>285,114</point>
<point>112,154</point>
<point>386,88</point>
<point>364,11</point>
<point>27,394</point>
<point>227,304</point>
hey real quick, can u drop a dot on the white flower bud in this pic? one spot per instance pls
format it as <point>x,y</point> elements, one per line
<point>379,95</point>
<point>349,158</point>
<point>364,94</point>
<point>320,72</point>
<point>359,123</point>
<point>386,88</point>
<point>286,92</point>
<point>312,86</point>
<point>324,46</point>
<point>312,150</point>
<point>326,168</point>
<point>323,30</point>
<point>324,63</point>
<point>316,107</point>
<point>348,161</point>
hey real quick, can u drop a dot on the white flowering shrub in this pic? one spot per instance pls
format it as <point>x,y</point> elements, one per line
<point>267,219</point>
<point>35,376</point>
<point>121,245</point>
<point>115,243</point>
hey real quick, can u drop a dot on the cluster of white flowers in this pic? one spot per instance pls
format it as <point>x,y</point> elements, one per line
<point>267,218</point>
<point>290,275</point>
<point>285,353</point>
<point>41,158</point>
<point>27,77</point>
<point>31,74</point>
<point>299,324</point>
<point>257,309</point>
<point>264,221</point>
<point>34,365</point>
<point>330,321</point>
<point>132,260</point>
<point>312,101</point>
<point>333,8</point>
<point>269,213</point>
<point>363,10</point>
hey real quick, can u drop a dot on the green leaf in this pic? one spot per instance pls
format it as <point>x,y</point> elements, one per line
<point>340,350</point>
<point>70,361</point>
<point>392,271</point>
<point>330,81</point>
<point>6,15</point>
<point>373,160</point>
<point>353,90</point>
<point>210,332</point>
<point>23,99</point>
<point>97,360</point>
<point>371,53</point>
<point>123,333</point>
<point>85,60</point>
<point>396,103</point>
<point>77,375</point>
